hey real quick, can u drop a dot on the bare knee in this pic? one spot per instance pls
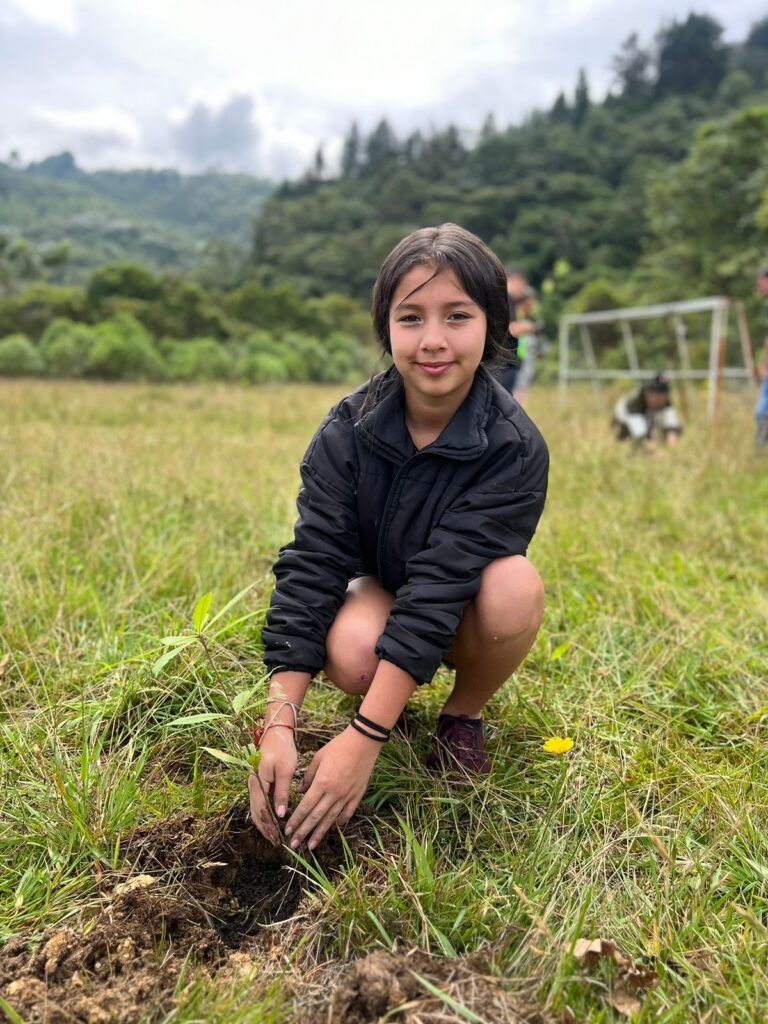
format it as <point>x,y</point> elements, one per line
<point>352,678</point>
<point>351,660</point>
<point>510,604</point>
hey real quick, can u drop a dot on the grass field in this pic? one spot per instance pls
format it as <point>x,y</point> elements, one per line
<point>121,506</point>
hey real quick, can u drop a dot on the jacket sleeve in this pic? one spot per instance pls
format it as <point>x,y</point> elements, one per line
<point>313,570</point>
<point>495,518</point>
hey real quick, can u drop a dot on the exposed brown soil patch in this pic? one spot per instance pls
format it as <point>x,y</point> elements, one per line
<point>199,890</point>
<point>197,898</point>
<point>377,985</point>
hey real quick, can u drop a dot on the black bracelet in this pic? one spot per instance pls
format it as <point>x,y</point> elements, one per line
<point>370,735</point>
<point>372,725</point>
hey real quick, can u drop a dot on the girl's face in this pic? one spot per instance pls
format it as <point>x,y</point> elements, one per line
<point>437,334</point>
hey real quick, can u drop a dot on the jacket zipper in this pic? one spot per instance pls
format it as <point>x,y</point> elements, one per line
<point>392,498</point>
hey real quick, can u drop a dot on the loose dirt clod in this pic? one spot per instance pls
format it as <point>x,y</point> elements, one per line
<point>374,986</point>
<point>200,889</point>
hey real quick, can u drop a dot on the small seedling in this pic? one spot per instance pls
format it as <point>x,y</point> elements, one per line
<point>249,758</point>
<point>202,621</point>
<point>246,756</point>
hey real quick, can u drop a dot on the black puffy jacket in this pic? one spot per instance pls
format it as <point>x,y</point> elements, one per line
<point>424,522</point>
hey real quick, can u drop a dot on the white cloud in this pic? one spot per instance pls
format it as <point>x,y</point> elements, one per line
<point>300,71</point>
<point>99,136</point>
<point>60,14</point>
<point>104,119</point>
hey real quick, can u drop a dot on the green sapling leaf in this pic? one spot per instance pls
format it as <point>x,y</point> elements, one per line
<point>254,760</point>
<point>169,655</point>
<point>242,699</point>
<point>558,652</point>
<point>231,759</point>
<point>200,614</point>
<point>198,719</point>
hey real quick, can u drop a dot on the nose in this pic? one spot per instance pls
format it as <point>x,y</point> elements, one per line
<point>433,337</point>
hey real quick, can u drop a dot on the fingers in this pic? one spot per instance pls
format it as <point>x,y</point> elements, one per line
<point>260,815</point>
<point>347,811</point>
<point>320,816</point>
<point>306,805</point>
<point>329,819</point>
<point>281,790</point>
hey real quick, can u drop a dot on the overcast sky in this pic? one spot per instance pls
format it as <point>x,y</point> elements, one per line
<point>257,86</point>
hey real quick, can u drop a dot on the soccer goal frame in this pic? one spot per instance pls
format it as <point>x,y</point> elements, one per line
<point>719,307</point>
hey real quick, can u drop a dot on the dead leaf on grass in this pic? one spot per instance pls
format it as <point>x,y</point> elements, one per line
<point>623,1002</point>
<point>631,979</point>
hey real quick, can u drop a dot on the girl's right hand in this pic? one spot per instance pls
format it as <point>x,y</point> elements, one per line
<point>276,769</point>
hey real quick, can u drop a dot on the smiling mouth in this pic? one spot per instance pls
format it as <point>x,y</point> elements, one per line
<point>435,366</point>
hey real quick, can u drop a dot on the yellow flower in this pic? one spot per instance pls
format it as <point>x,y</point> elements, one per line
<point>558,745</point>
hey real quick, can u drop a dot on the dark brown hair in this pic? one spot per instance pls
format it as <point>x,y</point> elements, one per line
<point>447,247</point>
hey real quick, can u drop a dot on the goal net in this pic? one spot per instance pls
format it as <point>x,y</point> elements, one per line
<point>690,341</point>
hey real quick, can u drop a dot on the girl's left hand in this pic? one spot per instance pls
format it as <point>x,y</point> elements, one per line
<point>333,786</point>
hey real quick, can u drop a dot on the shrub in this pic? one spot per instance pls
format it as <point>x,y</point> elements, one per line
<point>65,347</point>
<point>19,357</point>
<point>123,350</point>
<point>303,357</point>
<point>130,280</point>
<point>263,341</point>
<point>263,368</point>
<point>32,310</point>
<point>338,367</point>
<point>199,359</point>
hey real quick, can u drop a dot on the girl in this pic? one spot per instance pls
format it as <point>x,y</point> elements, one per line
<point>424,489</point>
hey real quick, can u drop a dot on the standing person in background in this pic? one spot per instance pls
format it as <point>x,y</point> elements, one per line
<point>520,347</point>
<point>761,409</point>
<point>647,415</point>
<point>527,342</point>
<point>506,374</point>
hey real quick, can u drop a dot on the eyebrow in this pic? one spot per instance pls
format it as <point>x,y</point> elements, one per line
<point>446,305</point>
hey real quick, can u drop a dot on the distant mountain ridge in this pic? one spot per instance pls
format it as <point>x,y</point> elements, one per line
<point>160,218</point>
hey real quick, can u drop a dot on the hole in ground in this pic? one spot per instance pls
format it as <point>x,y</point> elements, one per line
<point>230,872</point>
<point>198,889</point>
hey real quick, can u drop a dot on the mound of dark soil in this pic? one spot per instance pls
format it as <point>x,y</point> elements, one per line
<point>372,988</point>
<point>200,889</point>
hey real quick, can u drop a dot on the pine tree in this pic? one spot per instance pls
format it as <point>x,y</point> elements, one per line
<point>560,109</point>
<point>630,67</point>
<point>380,148</point>
<point>350,153</point>
<point>318,168</point>
<point>581,101</point>
<point>489,128</point>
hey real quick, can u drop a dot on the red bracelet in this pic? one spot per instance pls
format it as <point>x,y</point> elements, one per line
<point>258,732</point>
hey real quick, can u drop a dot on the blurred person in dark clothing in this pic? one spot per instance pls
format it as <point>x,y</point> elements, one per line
<point>647,415</point>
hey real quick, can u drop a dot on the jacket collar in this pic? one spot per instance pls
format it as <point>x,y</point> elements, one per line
<point>383,427</point>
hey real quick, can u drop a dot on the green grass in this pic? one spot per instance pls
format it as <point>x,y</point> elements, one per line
<point>121,506</point>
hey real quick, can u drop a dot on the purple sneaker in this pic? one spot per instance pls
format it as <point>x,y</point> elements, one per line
<point>458,746</point>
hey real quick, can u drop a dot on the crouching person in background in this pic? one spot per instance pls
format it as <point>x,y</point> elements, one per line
<point>647,416</point>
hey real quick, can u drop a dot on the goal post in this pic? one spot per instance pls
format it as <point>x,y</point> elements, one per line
<point>718,368</point>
